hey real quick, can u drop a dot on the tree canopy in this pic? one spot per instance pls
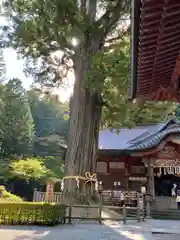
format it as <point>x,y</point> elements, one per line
<point>42,169</point>
<point>110,67</point>
<point>28,169</point>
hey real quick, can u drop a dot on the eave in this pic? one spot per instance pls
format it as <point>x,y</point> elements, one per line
<point>155,45</point>
<point>135,20</point>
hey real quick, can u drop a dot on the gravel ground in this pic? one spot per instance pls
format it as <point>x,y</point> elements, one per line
<point>79,232</point>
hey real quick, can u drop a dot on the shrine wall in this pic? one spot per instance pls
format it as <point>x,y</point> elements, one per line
<point>120,172</point>
<point>169,156</point>
<point>167,160</point>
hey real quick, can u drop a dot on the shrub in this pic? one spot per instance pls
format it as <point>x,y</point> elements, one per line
<point>31,213</point>
<point>6,196</point>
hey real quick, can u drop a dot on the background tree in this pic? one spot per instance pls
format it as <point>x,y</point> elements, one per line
<point>29,169</point>
<point>50,128</point>
<point>17,128</point>
<point>2,67</point>
<point>41,169</point>
<point>41,28</point>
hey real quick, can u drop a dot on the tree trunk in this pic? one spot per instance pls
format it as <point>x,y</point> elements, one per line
<point>84,119</point>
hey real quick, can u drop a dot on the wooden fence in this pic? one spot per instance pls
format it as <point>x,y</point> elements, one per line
<point>100,214</point>
<point>107,197</point>
<point>41,197</point>
<point>104,210</point>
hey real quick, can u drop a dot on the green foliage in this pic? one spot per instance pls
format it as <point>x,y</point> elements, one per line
<point>4,170</point>
<point>31,213</point>
<point>2,67</point>
<point>118,110</point>
<point>55,167</point>
<point>41,169</point>
<point>40,28</point>
<point>47,112</point>
<point>16,129</point>
<point>52,145</point>
<point>28,169</point>
<point>20,113</point>
<point>6,196</point>
<point>53,28</point>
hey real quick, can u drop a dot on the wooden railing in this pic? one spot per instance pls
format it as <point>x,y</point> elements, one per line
<point>107,197</point>
<point>41,197</point>
<point>110,197</point>
<point>104,210</point>
<point>124,213</point>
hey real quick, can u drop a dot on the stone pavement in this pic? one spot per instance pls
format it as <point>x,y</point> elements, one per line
<point>153,226</point>
<point>73,232</point>
<point>94,231</point>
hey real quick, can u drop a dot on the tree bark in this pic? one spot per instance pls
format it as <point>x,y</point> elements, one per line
<point>85,118</point>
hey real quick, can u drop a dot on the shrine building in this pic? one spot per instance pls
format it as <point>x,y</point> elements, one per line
<point>144,155</point>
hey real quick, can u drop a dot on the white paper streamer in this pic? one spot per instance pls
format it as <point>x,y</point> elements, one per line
<point>77,182</point>
<point>62,185</point>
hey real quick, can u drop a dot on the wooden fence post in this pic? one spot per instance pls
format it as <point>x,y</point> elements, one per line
<point>70,214</point>
<point>124,212</point>
<point>138,214</point>
<point>148,209</point>
<point>100,211</point>
<point>35,195</point>
<point>143,214</point>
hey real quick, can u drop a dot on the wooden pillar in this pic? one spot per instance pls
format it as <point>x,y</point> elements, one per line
<point>127,174</point>
<point>150,178</point>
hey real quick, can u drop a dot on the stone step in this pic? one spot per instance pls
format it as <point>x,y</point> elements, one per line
<point>165,203</point>
<point>172,214</point>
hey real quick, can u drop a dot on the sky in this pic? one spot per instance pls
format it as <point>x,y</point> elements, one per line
<point>14,68</point>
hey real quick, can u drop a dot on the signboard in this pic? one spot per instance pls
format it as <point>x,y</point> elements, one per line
<point>49,191</point>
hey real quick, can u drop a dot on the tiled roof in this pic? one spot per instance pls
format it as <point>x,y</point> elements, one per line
<point>138,138</point>
<point>154,140</point>
<point>124,139</point>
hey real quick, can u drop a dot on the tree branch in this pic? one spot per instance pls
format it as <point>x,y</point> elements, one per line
<point>112,15</point>
<point>119,36</point>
